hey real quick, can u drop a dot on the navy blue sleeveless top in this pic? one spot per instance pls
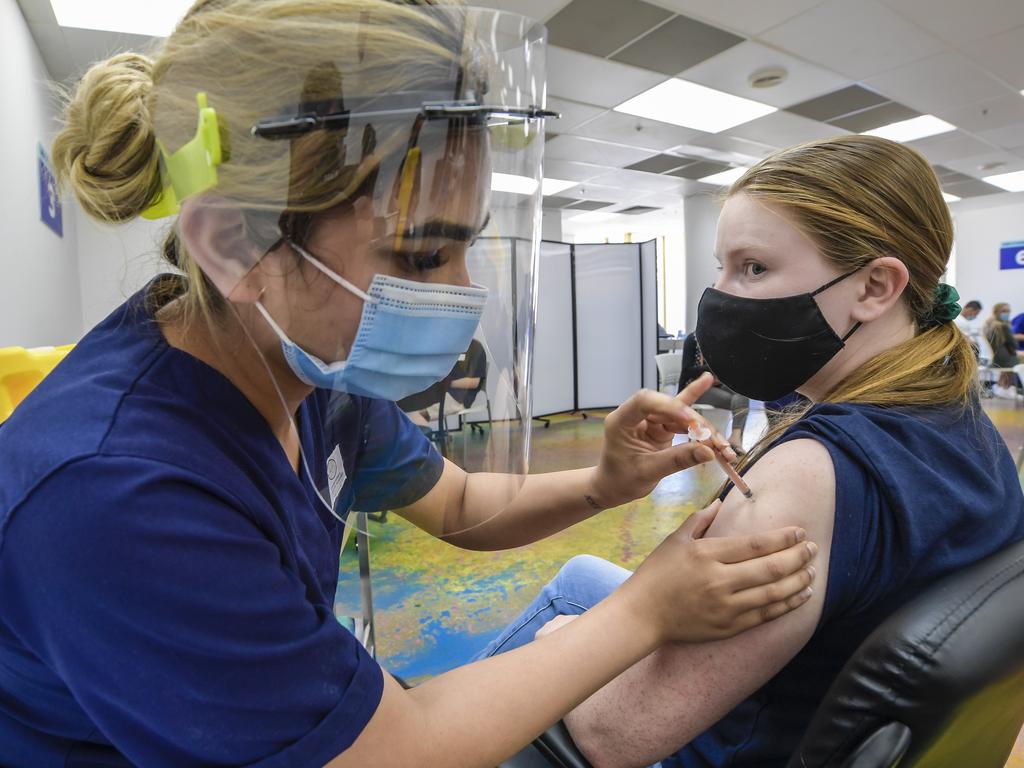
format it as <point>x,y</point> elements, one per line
<point>920,493</point>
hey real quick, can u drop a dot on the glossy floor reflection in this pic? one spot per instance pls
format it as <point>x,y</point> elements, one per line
<point>437,605</point>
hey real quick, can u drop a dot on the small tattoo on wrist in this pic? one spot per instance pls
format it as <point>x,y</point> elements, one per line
<point>593,504</point>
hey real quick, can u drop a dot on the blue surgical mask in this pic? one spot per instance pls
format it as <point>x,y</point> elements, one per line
<point>1004,316</point>
<point>410,336</point>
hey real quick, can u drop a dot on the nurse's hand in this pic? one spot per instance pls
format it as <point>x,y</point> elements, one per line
<point>638,450</point>
<point>692,589</point>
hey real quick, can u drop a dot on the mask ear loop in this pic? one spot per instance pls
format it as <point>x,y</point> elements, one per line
<point>345,521</point>
<point>829,284</point>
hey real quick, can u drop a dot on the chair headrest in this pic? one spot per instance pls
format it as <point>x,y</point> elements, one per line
<point>949,665</point>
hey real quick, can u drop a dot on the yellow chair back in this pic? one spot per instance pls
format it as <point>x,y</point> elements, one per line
<point>21,370</point>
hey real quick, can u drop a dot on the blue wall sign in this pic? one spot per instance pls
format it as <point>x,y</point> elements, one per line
<point>1011,255</point>
<point>49,199</point>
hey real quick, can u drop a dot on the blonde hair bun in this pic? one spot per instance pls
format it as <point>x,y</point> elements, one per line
<point>106,149</point>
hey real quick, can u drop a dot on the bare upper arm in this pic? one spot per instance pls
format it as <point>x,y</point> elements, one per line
<point>435,510</point>
<point>670,697</point>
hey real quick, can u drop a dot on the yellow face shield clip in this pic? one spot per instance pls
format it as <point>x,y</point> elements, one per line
<point>190,170</point>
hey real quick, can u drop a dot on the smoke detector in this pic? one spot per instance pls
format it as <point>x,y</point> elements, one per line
<point>768,77</point>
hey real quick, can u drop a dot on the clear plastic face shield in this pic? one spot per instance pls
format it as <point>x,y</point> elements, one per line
<point>345,211</point>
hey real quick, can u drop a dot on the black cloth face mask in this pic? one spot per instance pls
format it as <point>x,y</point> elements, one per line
<point>766,348</point>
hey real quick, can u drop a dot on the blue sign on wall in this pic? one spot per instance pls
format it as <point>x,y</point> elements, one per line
<point>49,199</point>
<point>1011,255</point>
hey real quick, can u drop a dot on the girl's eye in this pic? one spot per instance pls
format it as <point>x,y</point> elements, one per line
<point>754,269</point>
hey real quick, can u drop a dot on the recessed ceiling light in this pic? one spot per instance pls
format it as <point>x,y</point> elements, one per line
<point>689,105</point>
<point>129,16</point>
<point>1012,182</point>
<point>914,128</point>
<point>949,198</point>
<point>724,178</point>
<point>517,185</point>
<point>554,186</point>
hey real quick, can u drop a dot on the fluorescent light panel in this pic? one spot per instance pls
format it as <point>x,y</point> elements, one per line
<point>949,198</point>
<point>914,128</point>
<point>724,178</point>
<point>517,185</point>
<point>1012,182</point>
<point>129,16</point>
<point>690,105</point>
<point>554,186</point>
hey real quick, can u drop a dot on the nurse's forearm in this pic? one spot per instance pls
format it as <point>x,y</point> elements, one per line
<point>540,506</point>
<point>478,715</point>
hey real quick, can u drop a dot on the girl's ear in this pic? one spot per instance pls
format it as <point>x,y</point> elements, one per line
<point>885,279</point>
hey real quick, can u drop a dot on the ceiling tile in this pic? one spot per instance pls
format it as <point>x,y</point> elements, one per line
<point>591,80</point>
<point>991,114</point>
<point>590,205</point>
<point>731,149</point>
<point>677,45</point>
<point>554,201</point>
<point>638,180</point>
<point>572,114</point>
<point>845,101</point>
<point>858,39</point>
<point>1001,55</point>
<point>571,171</point>
<point>657,164</point>
<point>961,22</point>
<point>972,189</point>
<point>938,83</point>
<point>783,129</point>
<point>745,17</point>
<point>700,169</point>
<point>973,165</point>
<point>85,46</point>
<point>542,10</point>
<point>955,145</point>
<point>875,117</point>
<point>582,150</point>
<point>729,71</point>
<point>1008,137</point>
<point>592,191</point>
<point>601,27</point>
<point>636,131</point>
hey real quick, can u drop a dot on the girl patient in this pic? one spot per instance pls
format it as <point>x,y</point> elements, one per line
<point>831,256</point>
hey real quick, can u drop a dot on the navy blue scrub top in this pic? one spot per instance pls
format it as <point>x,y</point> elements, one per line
<point>166,580</point>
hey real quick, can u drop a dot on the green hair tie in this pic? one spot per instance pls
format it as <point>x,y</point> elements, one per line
<point>945,305</point>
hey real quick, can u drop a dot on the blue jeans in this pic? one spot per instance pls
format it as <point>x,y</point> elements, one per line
<point>582,583</point>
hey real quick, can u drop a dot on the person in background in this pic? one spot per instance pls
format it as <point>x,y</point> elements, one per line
<point>718,396</point>
<point>970,322</point>
<point>1017,326</point>
<point>999,335</point>
<point>459,389</point>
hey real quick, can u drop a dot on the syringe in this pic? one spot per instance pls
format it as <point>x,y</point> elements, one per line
<point>701,433</point>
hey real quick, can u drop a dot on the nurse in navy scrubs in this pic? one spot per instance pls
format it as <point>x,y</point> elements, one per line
<point>173,496</point>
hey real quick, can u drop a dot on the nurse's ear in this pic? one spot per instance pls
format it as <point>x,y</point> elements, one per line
<point>883,283</point>
<point>215,235</point>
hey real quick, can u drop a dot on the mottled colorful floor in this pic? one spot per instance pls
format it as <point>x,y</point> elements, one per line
<point>437,605</point>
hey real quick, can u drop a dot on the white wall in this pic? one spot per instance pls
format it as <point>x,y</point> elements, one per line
<point>981,225</point>
<point>115,261</point>
<point>701,267</point>
<point>39,287</point>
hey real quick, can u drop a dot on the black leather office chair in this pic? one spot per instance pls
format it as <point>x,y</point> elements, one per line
<point>939,684</point>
